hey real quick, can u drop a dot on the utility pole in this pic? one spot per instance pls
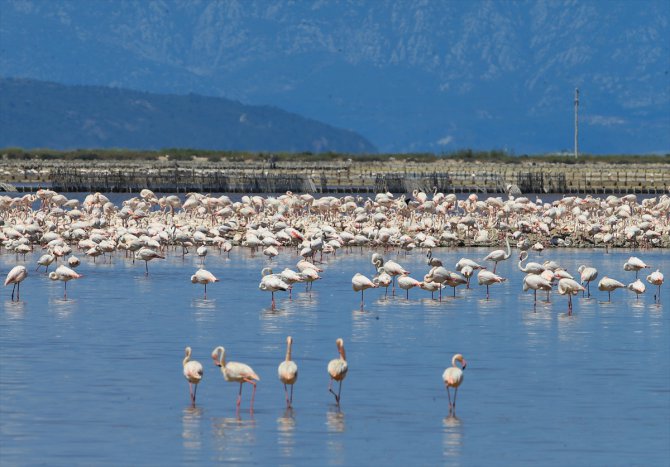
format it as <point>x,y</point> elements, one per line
<point>576,122</point>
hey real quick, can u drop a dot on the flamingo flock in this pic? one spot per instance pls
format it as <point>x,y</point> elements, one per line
<point>148,227</point>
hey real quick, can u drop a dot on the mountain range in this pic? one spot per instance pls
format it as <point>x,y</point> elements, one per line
<point>408,75</point>
<point>38,114</point>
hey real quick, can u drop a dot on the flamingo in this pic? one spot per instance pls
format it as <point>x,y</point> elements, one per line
<point>65,274</point>
<point>530,268</point>
<point>608,284</point>
<point>406,283</point>
<point>382,279</point>
<point>655,278</point>
<point>193,372</point>
<point>273,283</point>
<point>147,254</point>
<point>437,274</point>
<point>487,278</point>
<point>499,255</point>
<point>16,276</point>
<point>453,377</point>
<point>288,372</point>
<point>202,276</point>
<point>535,282</point>
<point>588,274</point>
<point>337,369</point>
<point>431,287</point>
<point>393,269</point>
<point>634,264</point>
<point>454,280</point>
<point>570,287</point>
<point>291,277</point>
<point>235,372</point>
<point>638,287</point>
<point>45,260</point>
<point>359,283</point>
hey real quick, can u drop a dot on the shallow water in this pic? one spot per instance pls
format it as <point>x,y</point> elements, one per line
<point>97,379</point>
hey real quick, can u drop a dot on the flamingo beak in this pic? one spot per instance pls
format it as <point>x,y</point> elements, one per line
<point>464,364</point>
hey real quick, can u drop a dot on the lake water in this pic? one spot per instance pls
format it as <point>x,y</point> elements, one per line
<point>97,379</point>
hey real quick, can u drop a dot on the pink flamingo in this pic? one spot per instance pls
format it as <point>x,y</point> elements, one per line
<point>235,372</point>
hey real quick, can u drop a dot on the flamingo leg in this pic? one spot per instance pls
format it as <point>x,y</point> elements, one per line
<point>146,268</point>
<point>570,304</point>
<point>361,300</point>
<point>407,294</point>
<point>65,294</point>
<point>288,403</point>
<point>535,296</point>
<point>18,292</point>
<point>487,292</point>
<point>13,288</point>
<point>205,290</point>
<point>330,389</point>
<point>239,396</point>
<point>455,394</point>
<point>195,390</point>
<point>253,393</point>
<point>449,396</point>
<point>291,395</point>
<point>495,265</point>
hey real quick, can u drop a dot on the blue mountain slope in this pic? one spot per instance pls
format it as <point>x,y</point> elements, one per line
<point>409,75</point>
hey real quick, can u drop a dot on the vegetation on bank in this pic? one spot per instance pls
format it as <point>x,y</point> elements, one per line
<point>176,154</point>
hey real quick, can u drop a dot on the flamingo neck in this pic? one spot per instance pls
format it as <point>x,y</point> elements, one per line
<point>187,357</point>
<point>343,355</point>
<point>288,351</point>
<point>509,249</point>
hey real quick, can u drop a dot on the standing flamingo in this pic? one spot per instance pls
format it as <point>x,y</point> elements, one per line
<point>147,254</point>
<point>16,276</point>
<point>453,377</point>
<point>273,283</point>
<point>570,287</point>
<point>607,284</point>
<point>634,264</point>
<point>535,282</point>
<point>193,372</point>
<point>638,287</point>
<point>499,255</point>
<point>235,372</point>
<point>406,283</point>
<point>65,274</point>
<point>393,269</point>
<point>656,278</point>
<point>288,372</point>
<point>203,276</point>
<point>588,274</point>
<point>487,278</point>
<point>359,283</point>
<point>337,369</point>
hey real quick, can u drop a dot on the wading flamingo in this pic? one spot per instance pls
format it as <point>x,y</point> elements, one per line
<point>499,255</point>
<point>587,274</point>
<point>235,372</point>
<point>656,278</point>
<point>65,274</point>
<point>202,276</point>
<point>337,369</point>
<point>288,372</point>
<point>634,264</point>
<point>359,283</point>
<point>570,287</point>
<point>453,377</point>
<point>15,276</point>
<point>607,284</point>
<point>193,372</point>
<point>487,278</point>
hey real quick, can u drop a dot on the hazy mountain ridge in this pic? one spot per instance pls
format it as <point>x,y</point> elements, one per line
<point>478,74</point>
<point>41,114</point>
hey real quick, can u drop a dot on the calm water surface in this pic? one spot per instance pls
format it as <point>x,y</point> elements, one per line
<point>97,379</point>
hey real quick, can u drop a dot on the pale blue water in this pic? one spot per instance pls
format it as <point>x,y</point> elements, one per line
<point>97,379</point>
